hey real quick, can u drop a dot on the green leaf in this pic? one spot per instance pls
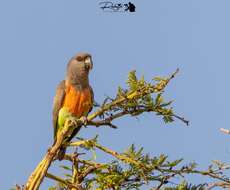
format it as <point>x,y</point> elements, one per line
<point>68,175</point>
<point>157,78</point>
<point>132,80</point>
<point>166,104</point>
<point>52,188</point>
<point>168,119</point>
<point>159,99</point>
<point>161,159</point>
<point>65,167</point>
<point>174,163</point>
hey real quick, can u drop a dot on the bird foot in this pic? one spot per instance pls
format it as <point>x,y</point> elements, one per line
<point>72,121</point>
<point>84,120</point>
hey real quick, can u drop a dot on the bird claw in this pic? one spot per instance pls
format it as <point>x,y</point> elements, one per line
<point>72,121</point>
<point>84,120</point>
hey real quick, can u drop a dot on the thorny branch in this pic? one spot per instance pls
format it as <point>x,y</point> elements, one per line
<point>213,173</point>
<point>65,182</point>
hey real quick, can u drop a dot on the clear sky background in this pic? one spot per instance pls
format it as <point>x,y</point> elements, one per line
<point>37,38</point>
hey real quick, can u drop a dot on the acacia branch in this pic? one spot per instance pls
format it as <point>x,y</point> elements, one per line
<point>39,173</point>
<point>166,171</point>
<point>218,184</point>
<point>85,162</point>
<point>109,151</point>
<point>133,95</point>
<point>108,121</point>
<point>88,171</point>
<point>100,123</point>
<point>75,171</point>
<point>211,173</point>
<point>92,166</point>
<point>65,182</point>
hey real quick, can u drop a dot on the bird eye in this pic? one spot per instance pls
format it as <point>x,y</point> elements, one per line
<point>79,58</point>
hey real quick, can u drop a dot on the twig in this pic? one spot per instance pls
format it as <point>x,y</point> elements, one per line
<point>88,171</point>
<point>218,184</point>
<point>92,166</point>
<point>75,170</point>
<point>212,174</point>
<point>65,182</point>
<point>105,122</point>
<point>182,119</point>
<point>80,143</point>
<point>113,153</point>
<point>86,162</point>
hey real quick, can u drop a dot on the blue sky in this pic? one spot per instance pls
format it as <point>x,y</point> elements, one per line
<point>38,38</point>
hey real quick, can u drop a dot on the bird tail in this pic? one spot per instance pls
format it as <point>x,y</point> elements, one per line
<point>61,153</point>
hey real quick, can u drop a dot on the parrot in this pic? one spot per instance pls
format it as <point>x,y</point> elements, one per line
<point>74,96</point>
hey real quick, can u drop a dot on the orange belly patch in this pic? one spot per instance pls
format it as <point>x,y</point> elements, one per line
<point>78,102</point>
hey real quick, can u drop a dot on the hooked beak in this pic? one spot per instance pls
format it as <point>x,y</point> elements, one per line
<point>89,63</point>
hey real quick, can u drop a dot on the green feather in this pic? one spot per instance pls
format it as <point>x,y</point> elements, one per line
<point>62,116</point>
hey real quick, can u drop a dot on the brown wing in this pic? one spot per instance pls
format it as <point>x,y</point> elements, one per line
<point>57,104</point>
<point>92,98</point>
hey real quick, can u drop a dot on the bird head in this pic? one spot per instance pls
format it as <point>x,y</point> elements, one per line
<point>78,69</point>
